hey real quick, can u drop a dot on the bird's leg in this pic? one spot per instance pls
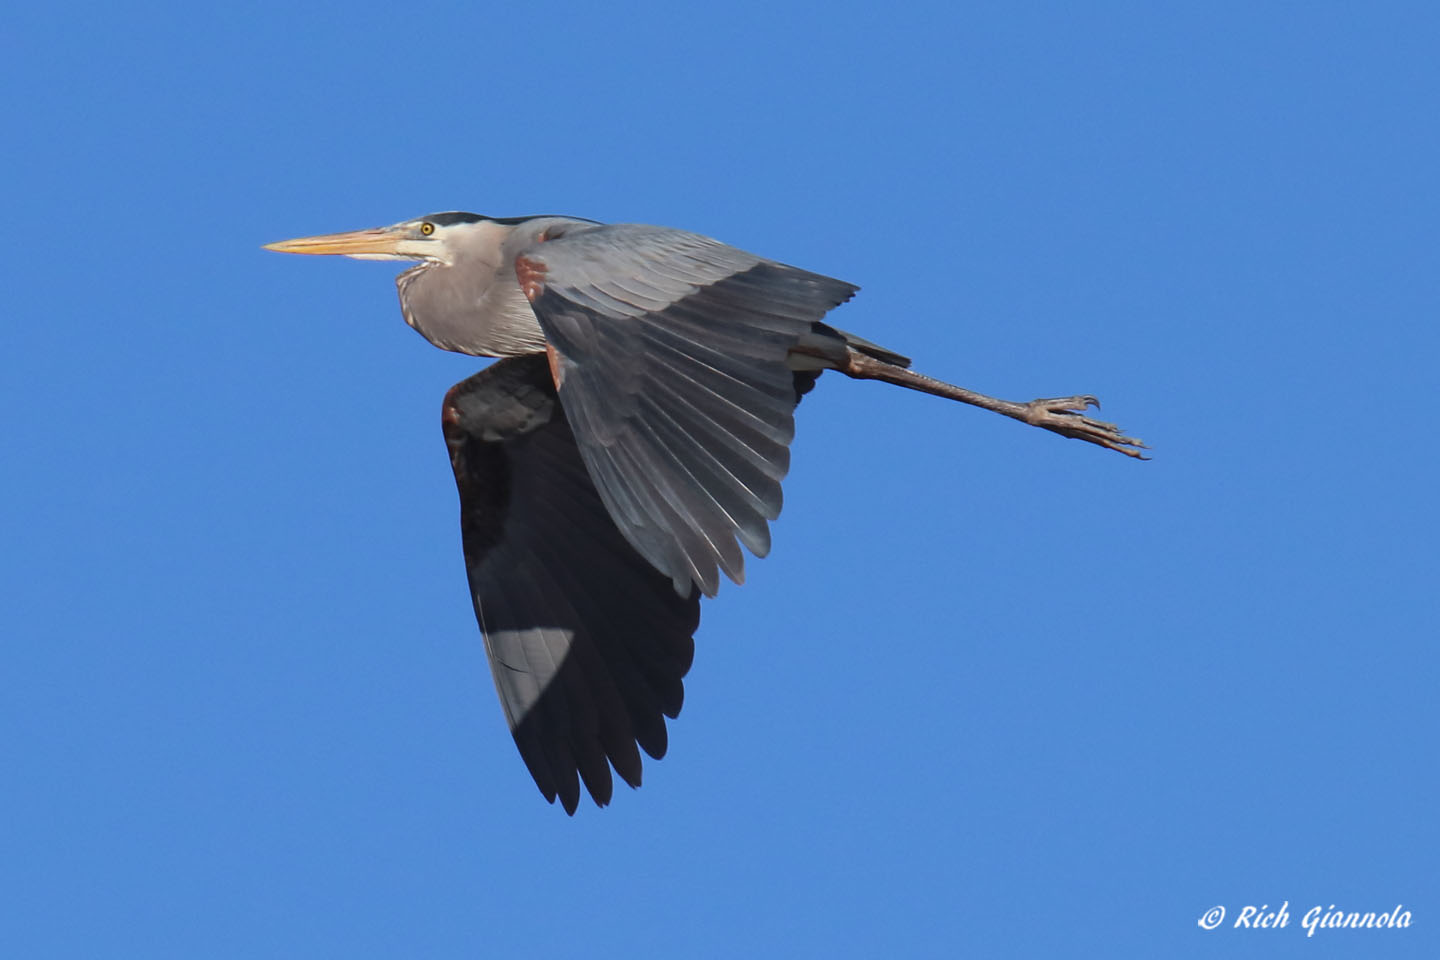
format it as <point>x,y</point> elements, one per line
<point>1062,415</point>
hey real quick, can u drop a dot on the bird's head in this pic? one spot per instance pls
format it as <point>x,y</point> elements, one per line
<point>458,294</point>
<point>432,238</point>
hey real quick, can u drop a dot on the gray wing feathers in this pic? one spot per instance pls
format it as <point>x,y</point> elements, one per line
<point>629,269</point>
<point>672,367</point>
<point>587,642</point>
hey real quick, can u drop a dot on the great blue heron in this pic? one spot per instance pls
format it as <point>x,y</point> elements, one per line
<point>611,466</point>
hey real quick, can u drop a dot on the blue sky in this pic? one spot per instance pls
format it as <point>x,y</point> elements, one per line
<point>994,693</point>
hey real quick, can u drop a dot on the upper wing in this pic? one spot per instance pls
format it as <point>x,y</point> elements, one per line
<point>670,353</point>
<point>587,641</point>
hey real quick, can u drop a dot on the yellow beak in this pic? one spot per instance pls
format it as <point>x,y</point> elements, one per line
<point>380,240</point>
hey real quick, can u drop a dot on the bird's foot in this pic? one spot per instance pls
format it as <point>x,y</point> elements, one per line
<point>1066,416</point>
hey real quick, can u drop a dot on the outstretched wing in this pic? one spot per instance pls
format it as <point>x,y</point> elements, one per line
<point>588,643</point>
<point>670,351</point>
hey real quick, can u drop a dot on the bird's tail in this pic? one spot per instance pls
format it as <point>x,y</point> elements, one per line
<point>861,345</point>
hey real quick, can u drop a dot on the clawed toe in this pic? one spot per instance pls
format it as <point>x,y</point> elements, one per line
<point>1066,416</point>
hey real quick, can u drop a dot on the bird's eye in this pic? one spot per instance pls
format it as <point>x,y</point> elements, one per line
<point>427,228</point>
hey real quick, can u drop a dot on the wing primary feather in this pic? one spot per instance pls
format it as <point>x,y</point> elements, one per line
<point>588,641</point>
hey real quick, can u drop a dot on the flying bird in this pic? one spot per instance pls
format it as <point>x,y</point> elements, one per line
<point>632,439</point>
